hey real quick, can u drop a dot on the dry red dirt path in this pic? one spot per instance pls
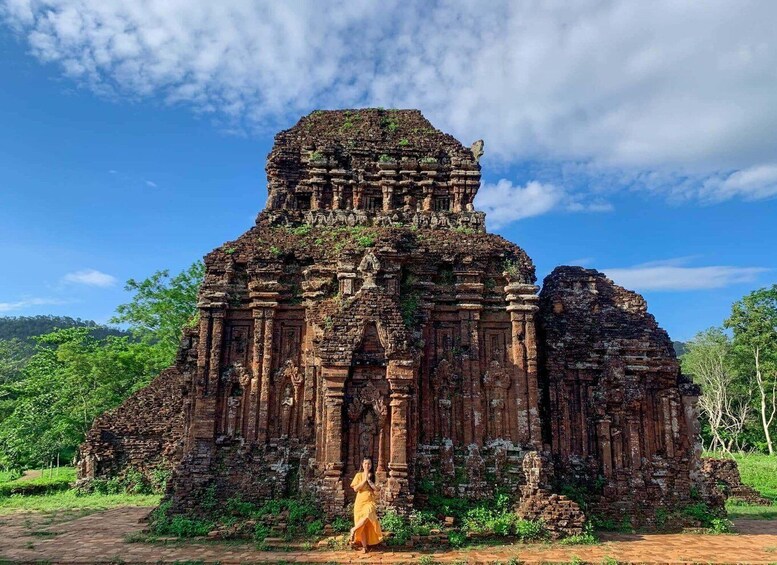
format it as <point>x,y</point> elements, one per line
<point>99,538</point>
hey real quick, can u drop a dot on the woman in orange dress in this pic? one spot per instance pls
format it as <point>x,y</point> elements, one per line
<point>366,528</point>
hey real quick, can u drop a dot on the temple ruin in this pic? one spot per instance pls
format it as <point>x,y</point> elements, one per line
<point>369,313</point>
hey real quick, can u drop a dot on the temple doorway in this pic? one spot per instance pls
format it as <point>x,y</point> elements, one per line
<point>367,418</point>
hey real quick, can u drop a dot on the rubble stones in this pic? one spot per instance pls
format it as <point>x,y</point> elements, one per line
<point>722,476</point>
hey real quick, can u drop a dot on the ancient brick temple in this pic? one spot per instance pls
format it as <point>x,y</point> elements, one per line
<point>368,313</point>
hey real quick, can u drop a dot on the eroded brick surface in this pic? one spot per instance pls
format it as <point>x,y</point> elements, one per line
<point>620,417</point>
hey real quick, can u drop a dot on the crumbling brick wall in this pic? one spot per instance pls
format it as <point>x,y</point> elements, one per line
<point>621,420</point>
<point>146,432</point>
<point>722,477</point>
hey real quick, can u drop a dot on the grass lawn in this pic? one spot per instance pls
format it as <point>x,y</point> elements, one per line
<point>39,476</point>
<point>60,498</point>
<point>760,472</point>
<point>69,500</point>
<point>6,476</point>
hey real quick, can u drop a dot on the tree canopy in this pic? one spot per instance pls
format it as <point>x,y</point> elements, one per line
<point>53,386</point>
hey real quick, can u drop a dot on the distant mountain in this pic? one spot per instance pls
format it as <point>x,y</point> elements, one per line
<point>679,347</point>
<point>25,327</point>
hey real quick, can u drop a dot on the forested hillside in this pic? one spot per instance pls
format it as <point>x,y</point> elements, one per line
<point>25,327</point>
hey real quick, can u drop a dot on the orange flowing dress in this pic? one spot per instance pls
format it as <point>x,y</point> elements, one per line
<point>365,507</point>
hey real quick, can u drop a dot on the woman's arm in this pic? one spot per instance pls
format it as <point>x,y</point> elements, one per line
<point>363,482</point>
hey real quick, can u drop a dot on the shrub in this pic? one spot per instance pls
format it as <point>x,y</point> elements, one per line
<point>422,522</point>
<point>721,526</point>
<point>366,240</point>
<point>107,486</point>
<point>457,539</point>
<point>159,477</point>
<point>701,513</point>
<point>179,526</point>
<point>340,524</point>
<point>135,482</point>
<point>529,530</point>
<point>512,268</point>
<point>261,531</point>
<point>586,538</point>
<point>315,528</point>
<point>236,506</point>
<point>398,526</point>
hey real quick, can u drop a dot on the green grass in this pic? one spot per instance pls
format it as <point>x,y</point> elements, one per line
<point>738,510</point>
<point>46,476</point>
<point>760,472</point>
<point>7,476</point>
<point>50,480</point>
<point>69,500</point>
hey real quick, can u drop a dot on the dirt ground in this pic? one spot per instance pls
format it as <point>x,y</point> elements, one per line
<point>100,538</point>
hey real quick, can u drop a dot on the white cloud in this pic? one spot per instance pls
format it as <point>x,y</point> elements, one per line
<point>27,302</point>
<point>504,202</point>
<point>90,277</point>
<point>151,183</point>
<point>580,262</point>
<point>673,275</point>
<point>674,94</point>
<point>753,183</point>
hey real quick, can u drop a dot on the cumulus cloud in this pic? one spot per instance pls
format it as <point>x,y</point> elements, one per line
<point>674,275</point>
<point>90,277</point>
<point>670,90</point>
<point>26,303</point>
<point>504,202</point>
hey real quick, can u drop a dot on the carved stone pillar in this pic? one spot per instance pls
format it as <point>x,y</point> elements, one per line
<point>522,306</point>
<point>266,381</point>
<point>257,351</point>
<point>635,450</point>
<point>396,492</point>
<point>202,352</point>
<point>331,453</point>
<point>605,446</point>
<point>217,342</point>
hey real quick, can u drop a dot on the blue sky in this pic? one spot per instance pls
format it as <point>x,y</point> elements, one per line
<point>134,140</point>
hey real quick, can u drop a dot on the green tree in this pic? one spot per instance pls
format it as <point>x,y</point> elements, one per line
<point>162,306</point>
<point>754,323</point>
<point>14,354</point>
<point>725,400</point>
<point>71,379</point>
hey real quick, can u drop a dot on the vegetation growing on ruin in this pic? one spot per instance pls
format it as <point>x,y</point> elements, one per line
<point>472,521</point>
